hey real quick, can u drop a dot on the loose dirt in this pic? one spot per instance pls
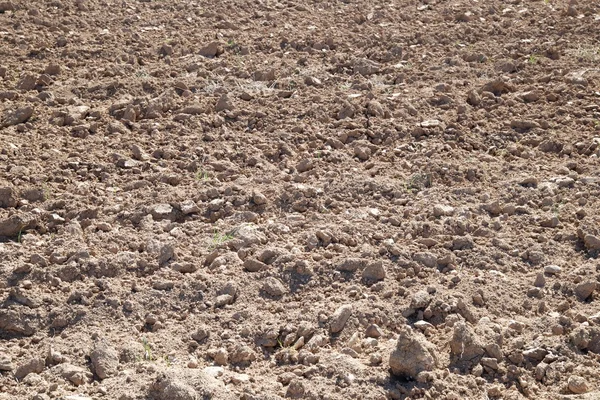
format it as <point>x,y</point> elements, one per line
<point>280,199</point>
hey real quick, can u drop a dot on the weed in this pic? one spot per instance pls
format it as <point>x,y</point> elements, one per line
<point>141,73</point>
<point>419,181</point>
<point>202,175</point>
<point>220,238</point>
<point>533,59</point>
<point>147,350</point>
<point>20,235</point>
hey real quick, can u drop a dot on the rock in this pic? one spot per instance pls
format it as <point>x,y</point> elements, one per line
<point>224,103</point>
<point>242,354</point>
<point>17,224</point>
<point>523,124</point>
<point>105,360</point>
<point>413,354</point>
<point>420,300</point>
<point>6,363</point>
<point>253,265</point>
<point>490,363</point>
<point>274,287</point>
<point>189,207</point>
<point>75,374</point>
<point>170,388</point>
<point>6,6</point>
<point>259,199</point>
<point>373,331</point>
<point>8,197</point>
<point>18,322</point>
<point>201,333</point>
<point>187,384</point>
<point>426,258</point>
<point>423,325</point>
<point>351,264</point>
<point>305,165</point>
<point>577,384</point>
<point>550,222</point>
<point>464,346</point>
<point>27,82</point>
<point>585,290</point>
<point>223,300</point>
<point>339,318</point>
<point>540,280</point>
<point>431,123</point>
<point>33,365</point>
<point>375,109</point>
<point>536,353</point>
<point>440,210</point>
<point>212,49</point>
<point>374,272</point>
<point>296,389</point>
<point>587,338</point>
<point>592,242</point>
<point>53,69</point>
<point>552,269</point>
<point>362,151</point>
<point>162,211</point>
<point>193,109</point>
<point>18,116</point>
<point>366,67</point>
<point>265,75</point>
<point>497,87</point>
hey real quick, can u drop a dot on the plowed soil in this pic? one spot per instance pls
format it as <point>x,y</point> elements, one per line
<point>282,199</point>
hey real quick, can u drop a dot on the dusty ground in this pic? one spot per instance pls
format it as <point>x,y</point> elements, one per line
<point>320,199</point>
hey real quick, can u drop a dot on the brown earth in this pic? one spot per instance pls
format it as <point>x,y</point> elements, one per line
<point>282,199</point>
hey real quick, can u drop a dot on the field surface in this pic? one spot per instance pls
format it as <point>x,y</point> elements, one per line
<point>263,200</point>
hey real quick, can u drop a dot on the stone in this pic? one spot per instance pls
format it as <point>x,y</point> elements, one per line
<point>587,338</point>
<point>6,6</point>
<point>552,269</point>
<point>274,287</point>
<point>351,264</point>
<point>18,116</point>
<point>253,265</point>
<point>592,243</point>
<point>540,280</point>
<point>373,331</point>
<point>161,211</point>
<point>305,165</point>
<point>362,151</point>
<point>33,365</point>
<point>223,300</point>
<point>440,210</point>
<point>6,363</point>
<point>170,388</point>
<point>189,207</point>
<point>8,197</point>
<point>105,360</point>
<point>366,67</point>
<point>17,224</point>
<point>420,300</point>
<point>213,49</point>
<point>259,199</point>
<point>577,384</point>
<point>339,318</point>
<point>73,373</point>
<point>520,124</point>
<point>413,354</point>
<point>27,82</point>
<point>374,272</point>
<point>224,103</point>
<point>464,346</point>
<point>242,354</point>
<point>201,333</point>
<point>426,258</point>
<point>585,290</point>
